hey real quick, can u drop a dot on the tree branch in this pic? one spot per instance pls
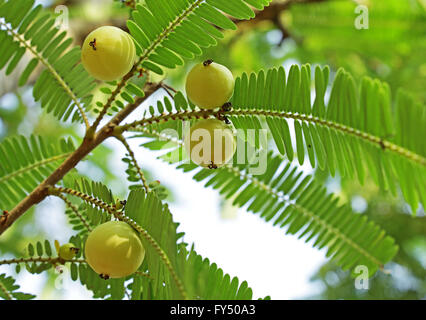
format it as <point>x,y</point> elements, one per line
<point>87,146</point>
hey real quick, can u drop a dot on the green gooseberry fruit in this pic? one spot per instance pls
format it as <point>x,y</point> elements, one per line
<point>114,250</point>
<point>68,251</point>
<point>209,85</point>
<point>210,143</point>
<point>108,53</point>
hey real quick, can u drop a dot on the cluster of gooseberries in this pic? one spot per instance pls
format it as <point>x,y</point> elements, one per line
<point>109,53</point>
<point>113,249</point>
<point>210,142</point>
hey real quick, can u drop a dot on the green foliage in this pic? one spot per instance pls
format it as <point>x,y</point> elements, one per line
<point>405,277</point>
<point>287,198</point>
<point>361,130</point>
<point>198,277</point>
<point>201,279</point>
<point>357,130</point>
<point>167,31</point>
<point>64,86</point>
<point>26,162</point>
<point>206,281</point>
<point>36,251</point>
<point>112,289</point>
<point>95,214</point>
<point>80,221</point>
<point>391,48</point>
<point>8,289</point>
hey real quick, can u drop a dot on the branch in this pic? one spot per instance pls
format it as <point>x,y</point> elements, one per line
<point>56,260</point>
<point>143,58</point>
<point>204,114</point>
<point>5,292</point>
<point>112,97</point>
<point>382,143</point>
<point>182,115</point>
<point>87,146</point>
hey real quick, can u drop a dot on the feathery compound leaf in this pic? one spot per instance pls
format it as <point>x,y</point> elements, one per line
<point>8,289</point>
<point>207,281</point>
<point>168,31</point>
<point>64,87</point>
<point>148,212</point>
<point>286,197</point>
<point>200,279</point>
<point>282,194</point>
<point>357,131</point>
<point>25,163</point>
<point>95,215</point>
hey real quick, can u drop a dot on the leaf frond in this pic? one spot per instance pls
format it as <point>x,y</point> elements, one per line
<point>64,87</point>
<point>168,31</point>
<point>358,130</point>
<point>9,289</point>
<point>25,163</point>
<point>288,198</point>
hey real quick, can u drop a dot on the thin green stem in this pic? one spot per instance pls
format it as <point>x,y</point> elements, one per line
<point>75,210</point>
<point>51,260</point>
<point>184,115</point>
<point>384,144</point>
<point>135,163</point>
<point>6,293</point>
<point>51,69</point>
<point>142,59</point>
<point>33,166</point>
<point>143,274</point>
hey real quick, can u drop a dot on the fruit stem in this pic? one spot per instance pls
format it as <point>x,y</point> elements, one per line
<point>93,44</point>
<point>207,62</point>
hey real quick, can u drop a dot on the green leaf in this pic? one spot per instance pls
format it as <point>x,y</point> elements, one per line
<point>26,162</point>
<point>353,133</point>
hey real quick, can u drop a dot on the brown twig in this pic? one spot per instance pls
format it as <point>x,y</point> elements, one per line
<point>87,146</point>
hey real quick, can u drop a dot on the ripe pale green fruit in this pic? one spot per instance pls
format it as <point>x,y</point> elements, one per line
<point>114,250</point>
<point>108,53</point>
<point>68,251</point>
<point>209,85</point>
<point>210,143</point>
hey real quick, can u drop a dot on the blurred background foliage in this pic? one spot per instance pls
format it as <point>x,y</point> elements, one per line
<point>293,31</point>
